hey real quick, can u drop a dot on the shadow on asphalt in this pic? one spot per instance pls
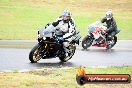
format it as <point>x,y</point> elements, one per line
<point>67,64</point>
<point>99,50</point>
<point>54,64</point>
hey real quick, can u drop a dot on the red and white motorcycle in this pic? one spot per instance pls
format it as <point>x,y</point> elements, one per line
<point>97,37</point>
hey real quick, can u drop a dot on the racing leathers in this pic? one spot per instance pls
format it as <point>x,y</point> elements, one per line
<point>62,28</point>
<point>111,27</point>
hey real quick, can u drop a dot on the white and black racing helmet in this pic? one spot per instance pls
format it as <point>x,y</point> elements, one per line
<point>109,14</point>
<point>66,15</point>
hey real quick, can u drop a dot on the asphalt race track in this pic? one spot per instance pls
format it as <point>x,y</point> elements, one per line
<point>14,56</point>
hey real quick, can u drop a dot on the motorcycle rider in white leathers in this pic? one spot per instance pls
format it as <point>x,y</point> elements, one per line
<point>64,25</point>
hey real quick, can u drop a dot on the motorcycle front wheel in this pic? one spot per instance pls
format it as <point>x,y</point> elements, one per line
<point>87,42</point>
<point>34,54</point>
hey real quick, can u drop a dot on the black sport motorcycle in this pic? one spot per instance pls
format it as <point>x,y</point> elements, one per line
<point>51,47</point>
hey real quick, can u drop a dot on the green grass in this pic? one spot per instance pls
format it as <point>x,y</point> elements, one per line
<point>58,78</point>
<point>20,19</point>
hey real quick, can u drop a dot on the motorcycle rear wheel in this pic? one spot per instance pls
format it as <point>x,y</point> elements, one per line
<point>67,56</point>
<point>113,40</point>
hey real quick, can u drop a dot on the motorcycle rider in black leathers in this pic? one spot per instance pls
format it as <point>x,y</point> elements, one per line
<point>110,24</point>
